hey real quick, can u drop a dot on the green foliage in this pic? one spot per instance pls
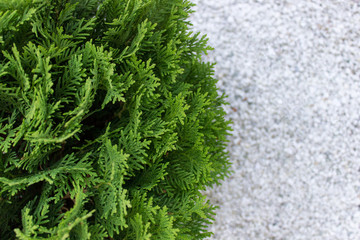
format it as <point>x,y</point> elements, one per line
<point>110,123</point>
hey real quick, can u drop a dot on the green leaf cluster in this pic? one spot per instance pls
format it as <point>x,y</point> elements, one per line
<point>110,122</point>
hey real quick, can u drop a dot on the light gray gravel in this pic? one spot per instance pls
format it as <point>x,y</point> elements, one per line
<point>292,73</point>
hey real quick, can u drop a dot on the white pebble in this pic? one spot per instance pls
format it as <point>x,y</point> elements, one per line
<point>295,145</point>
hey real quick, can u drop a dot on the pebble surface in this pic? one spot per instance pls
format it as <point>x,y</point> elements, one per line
<point>291,70</point>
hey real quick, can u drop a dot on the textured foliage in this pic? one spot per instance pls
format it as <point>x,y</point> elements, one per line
<point>110,123</point>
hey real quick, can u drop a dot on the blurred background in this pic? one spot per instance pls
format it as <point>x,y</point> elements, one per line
<point>291,70</point>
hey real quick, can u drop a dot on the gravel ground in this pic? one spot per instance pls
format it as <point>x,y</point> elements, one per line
<point>291,70</point>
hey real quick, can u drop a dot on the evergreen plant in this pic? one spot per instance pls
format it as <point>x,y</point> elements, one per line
<point>110,122</point>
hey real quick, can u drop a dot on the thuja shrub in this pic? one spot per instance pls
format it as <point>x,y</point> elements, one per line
<point>110,123</point>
